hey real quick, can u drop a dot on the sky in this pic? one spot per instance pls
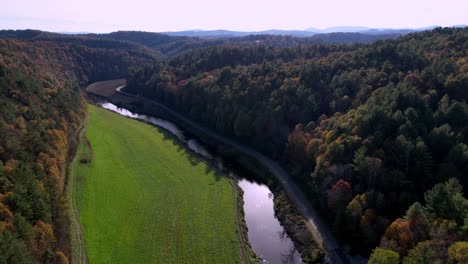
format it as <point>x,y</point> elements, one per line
<point>243,15</point>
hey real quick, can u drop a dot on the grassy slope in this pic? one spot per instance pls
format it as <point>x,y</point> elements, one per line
<point>145,199</point>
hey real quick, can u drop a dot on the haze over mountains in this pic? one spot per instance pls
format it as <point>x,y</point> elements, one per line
<point>297,33</point>
<point>309,32</point>
<point>169,44</point>
<point>172,43</point>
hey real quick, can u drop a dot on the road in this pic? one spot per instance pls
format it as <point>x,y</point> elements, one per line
<point>320,231</point>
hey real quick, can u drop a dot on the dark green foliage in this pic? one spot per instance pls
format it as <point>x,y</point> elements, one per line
<point>446,201</point>
<point>390,117</point>
<point>22,226</point>
<point>13,250</point>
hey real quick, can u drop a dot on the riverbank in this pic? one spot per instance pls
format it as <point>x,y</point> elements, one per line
<point>152,200</point>
<point>294,223</point>
<point>236,154</point>
<point>270,243</point>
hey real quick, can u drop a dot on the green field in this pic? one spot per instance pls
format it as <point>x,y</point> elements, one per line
<point>146,199</point>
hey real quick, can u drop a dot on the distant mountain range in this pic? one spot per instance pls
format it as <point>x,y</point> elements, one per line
<point>169,44</point>
<point>221,33</point>
<point>177,42</point>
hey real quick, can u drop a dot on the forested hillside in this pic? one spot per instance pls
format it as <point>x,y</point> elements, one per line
<point>41,110</point>
<point>87,40</point>
<point>369,130</point>
<point>169,46</point>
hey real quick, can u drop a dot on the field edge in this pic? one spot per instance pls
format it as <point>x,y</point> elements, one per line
<point>247,254</point>
<point>76,236</point>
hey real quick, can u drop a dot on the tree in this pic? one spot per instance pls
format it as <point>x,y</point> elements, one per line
<point>445,200</point>
<point>13,250</point>
<point>359,158</point>
<point>457,162</point>
<point>296,146</point>
<point>441,139</point>
<point>423,163</point>
<point>367,228</point>
<point>458,252</point>
<point>334,152</point>
<point>441,229</point>
<point>339,196</point>
<point>373,170</point>
<point>384,256</point>
<point>22,226</point>
<point>444,104</point>
<point>353,214</point>
<point>313,148</point>
<point>43,239</point>
<point>398,237</point>
<point>431,251</point>
<point>60,258</point>
<point>403,147</point>
<point>418,224</point>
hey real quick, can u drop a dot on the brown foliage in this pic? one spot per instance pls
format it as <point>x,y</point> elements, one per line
<point>60,258</point>
<point>43,239</point>
<point>6,218</point>
<point>398,237</point>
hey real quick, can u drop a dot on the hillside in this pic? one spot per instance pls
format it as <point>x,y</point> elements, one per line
<point>41,112</point>
<point>368,130</point>
<point>87,40</point>
<point>172,45</point>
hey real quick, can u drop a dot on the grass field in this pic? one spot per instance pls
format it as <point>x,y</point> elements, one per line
<point>146,199</point>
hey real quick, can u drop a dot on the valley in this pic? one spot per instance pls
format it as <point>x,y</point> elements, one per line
<point>144,147</point>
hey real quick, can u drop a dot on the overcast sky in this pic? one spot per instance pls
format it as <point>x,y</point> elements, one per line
<point>174,15</point>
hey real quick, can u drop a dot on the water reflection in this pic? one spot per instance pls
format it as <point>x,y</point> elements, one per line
<point>153,120</point>
<point>267,236</point>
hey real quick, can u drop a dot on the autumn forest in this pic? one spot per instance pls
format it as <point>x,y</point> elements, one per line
<point>374,130</point>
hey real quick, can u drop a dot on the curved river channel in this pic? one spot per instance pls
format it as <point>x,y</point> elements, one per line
<point>266,235</point>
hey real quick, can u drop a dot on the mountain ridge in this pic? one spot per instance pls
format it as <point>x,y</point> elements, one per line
<point>308,32</point>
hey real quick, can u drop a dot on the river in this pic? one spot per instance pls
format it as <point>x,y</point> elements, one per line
<point>266,235</point>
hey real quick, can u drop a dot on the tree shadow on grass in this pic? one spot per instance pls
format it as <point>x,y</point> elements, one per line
<point>194,158</point>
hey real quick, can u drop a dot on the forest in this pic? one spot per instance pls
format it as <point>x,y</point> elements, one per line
<point>166,46</point>
<point>375,133</point>
<point>41,113</point>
